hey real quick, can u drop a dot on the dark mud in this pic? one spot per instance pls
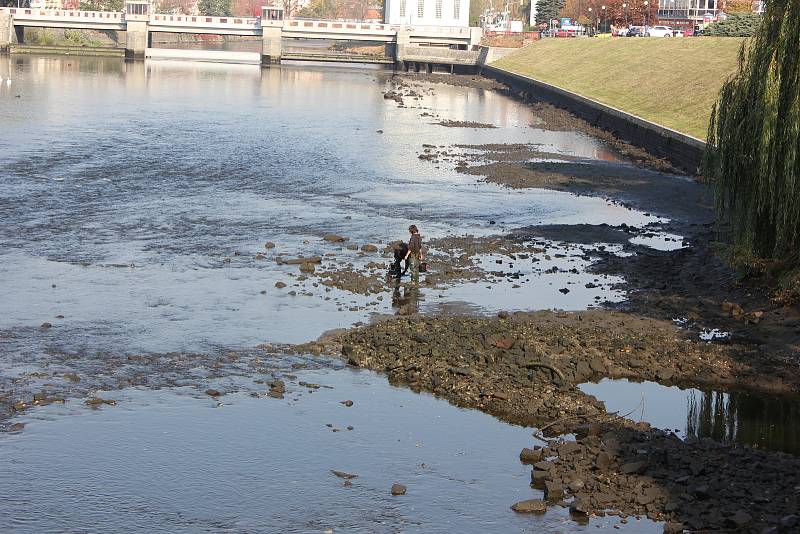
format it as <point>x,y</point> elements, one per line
<point>524,368</point>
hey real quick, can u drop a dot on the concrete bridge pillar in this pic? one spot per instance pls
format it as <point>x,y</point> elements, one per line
<point>402,41</point>
<point>271,35</point>
<point>7,34</point>
<point>137,32</point>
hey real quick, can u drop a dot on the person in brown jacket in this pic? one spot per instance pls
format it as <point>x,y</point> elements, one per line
<point>414,255</point>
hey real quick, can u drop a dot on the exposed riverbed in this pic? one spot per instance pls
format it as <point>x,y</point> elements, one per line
<point>153,216</point>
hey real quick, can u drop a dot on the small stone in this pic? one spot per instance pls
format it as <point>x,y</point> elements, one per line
<point>260,256</point>
<point>553,490</point>
<point>45,326</point>
<point>504,315</point>
<point>563,290</point>
<point>369,248</point>
<point>673,528</point>
<point>16,427</point>
<point>347,403</point>
<point>398,489</point>
<point>307,268</point>
<point>349,427</point>
<point>530,456</point>
<point>544,465</point>
<point>790,521</point>
<point>603,461</point>
<point>72,377</point>
<point>269,244</point>
<point>532,506</point>
<point>280,285</point>
<point>580,506</point>
<point>739,520</point>
<point>633,467</point>
<point>213,393</point>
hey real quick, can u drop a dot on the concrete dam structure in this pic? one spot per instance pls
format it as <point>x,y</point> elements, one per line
<point>405,46</point>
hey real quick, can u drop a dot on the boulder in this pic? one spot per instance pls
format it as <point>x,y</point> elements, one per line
<point>333,238</point>
<point>532,506</point>
<point>398,489</point>
<point>369,248</point>
<point>530,456</point>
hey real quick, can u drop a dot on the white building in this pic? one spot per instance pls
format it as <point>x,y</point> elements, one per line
<point>427,12</point>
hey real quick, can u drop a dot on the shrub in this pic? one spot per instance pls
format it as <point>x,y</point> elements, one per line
<point>736,25</point>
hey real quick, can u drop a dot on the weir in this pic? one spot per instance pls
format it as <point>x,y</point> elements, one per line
<point>425,45</point>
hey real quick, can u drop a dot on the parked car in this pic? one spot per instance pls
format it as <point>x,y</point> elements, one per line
<point>635,31</point>
<point>659,31</point>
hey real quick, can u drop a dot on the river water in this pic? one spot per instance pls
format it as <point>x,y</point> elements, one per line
<point>127,192</point>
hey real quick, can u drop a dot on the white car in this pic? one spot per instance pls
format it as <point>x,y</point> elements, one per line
<point>659,31</point>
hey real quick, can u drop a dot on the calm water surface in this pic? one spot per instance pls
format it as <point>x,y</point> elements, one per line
<point>124,187</point>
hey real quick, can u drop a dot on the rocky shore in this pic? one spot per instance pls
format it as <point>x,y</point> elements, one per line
<point>524,368</point>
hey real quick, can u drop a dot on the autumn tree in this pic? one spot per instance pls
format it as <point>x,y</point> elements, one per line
<point>215,8</point>
<point>320,9</point>
<point>290,7</point>
<point>246,8</point>
<point>178,7</point>
<point>738,6</point>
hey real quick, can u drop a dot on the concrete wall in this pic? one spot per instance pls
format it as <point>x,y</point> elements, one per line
<point>683,151</point>
<point>490,54</point>
<point>426,54</point>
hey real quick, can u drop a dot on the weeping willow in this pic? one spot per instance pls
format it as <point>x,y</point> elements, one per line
<point>753,157</point>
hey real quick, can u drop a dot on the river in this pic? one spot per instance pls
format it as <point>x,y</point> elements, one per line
<point>136,202</point>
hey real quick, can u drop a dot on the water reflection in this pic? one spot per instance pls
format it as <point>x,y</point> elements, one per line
<point>760,420</point>
<point>770,422</point>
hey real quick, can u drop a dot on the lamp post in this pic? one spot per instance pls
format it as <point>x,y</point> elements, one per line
<point>605,20</point>
<point>625,9</point>
<point>591,20</point>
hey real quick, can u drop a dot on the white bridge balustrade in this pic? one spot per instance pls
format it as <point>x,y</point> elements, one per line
<point>63,18</point>
<point>201,24</point>
<point>139,22</point>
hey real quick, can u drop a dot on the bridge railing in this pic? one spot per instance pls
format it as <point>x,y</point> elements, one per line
<point>65,14</point>
<point>158,19</point>
<point>336,26</point>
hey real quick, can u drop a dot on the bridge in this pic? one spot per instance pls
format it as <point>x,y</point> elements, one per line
<point>139,23</point>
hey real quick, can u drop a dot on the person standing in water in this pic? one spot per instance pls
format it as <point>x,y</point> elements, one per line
<point>414,254</point>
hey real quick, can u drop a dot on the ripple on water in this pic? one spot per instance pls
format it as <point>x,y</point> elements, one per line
<point>179,461</point>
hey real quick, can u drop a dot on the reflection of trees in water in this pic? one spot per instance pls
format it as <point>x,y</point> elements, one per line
<point>768,422</point>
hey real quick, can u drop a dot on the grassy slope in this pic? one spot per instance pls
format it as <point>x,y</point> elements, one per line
<point>670,81</point>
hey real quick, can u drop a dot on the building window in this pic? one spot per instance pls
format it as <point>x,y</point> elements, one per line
<point>457,9</point>
<point>402,9</point>
<point>438,9</point>
<point>420,8</point>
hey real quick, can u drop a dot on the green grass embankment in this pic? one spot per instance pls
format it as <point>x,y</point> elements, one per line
<point>670,81</point>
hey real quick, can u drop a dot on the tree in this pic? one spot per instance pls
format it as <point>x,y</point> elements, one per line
<point>102,5</point>
<point>735,25</point>
<point>178,7</point>
<point>290,7</point>
<point>215,8</point>
<point>753,150</point>
<point>738,6</point>
<point>320,9</point>
<point>547,10</point>
<point>246,8</point>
